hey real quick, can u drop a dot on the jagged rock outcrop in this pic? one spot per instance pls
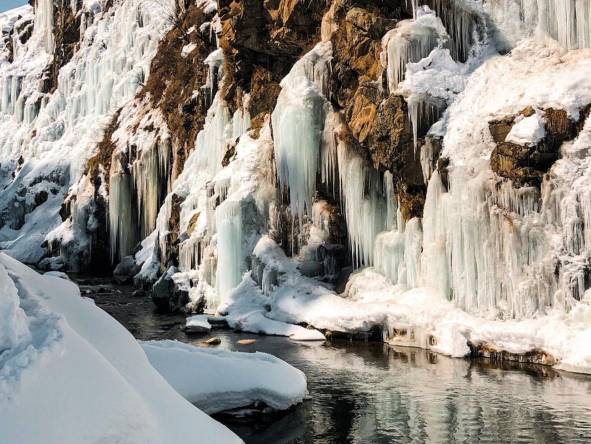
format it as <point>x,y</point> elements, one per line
<point>526,164</point>
<point>261,42</point>
<point>379,121</point>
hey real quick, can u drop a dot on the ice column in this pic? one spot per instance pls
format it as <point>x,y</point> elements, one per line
<point>121,218</point>
<point>44,23</point>
<point>298,120</point>
<point>229,245</point>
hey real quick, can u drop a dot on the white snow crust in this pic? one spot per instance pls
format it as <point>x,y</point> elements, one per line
<point>217,380</point>
<point>69,373</point>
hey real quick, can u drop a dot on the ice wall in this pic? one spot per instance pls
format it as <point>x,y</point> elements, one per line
<point>52,135</point>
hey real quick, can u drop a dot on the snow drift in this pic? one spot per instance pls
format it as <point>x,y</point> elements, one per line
<point>69,373</point>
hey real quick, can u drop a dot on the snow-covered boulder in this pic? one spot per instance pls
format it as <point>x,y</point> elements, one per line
<point>197,324</point>
<point>218,380</point>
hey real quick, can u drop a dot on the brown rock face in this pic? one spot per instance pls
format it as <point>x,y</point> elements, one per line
<point>171,237</point>
<point>378,122</point>
<point>174,79</point>
<point>67,36</point>
<point>526,165</point>
<point>391,141</point>
<point>261,41</point>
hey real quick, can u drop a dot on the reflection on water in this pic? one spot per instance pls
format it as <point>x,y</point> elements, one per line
<point>371,393</point>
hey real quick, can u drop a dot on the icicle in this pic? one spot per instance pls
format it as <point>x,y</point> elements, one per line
<point>229,245</point>
<point>44,23</point>
<point>410,42</point>
<point>121,221</point>
<point>361,190</point>
<point>298,120</point>
<point>423,112</point>
<point>215,62</point>
<point>212,140</point>
<point>567,21</point>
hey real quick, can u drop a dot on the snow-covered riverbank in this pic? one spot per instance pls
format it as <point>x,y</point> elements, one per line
<point>65,361</point>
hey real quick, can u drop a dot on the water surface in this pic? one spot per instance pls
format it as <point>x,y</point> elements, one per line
<point>371,393</point>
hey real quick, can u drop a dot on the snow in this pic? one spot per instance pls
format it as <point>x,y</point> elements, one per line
<point>188,49</point>
<point>216,380</point>
<point>429,321</point>
<point>67,362</point>
<point>197,324</point>
<point>528,131</point>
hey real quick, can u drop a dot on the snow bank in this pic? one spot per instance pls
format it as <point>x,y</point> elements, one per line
<point>245,310</point>
<point>79,374</point>
<point>218,380</point>
<point>419,317</point>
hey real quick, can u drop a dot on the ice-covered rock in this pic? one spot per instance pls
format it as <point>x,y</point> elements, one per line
<point>197,324</point>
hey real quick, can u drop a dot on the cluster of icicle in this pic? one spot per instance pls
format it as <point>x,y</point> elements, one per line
<point>481,242</point>
<point>469,245</point>
<point>567,21</point>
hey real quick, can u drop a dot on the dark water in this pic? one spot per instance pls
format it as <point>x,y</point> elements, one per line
<point>371,393</point>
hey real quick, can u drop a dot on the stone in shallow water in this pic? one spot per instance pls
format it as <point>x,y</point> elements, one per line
<point>197,324</point>
<point>213,341</point>
<point>246,341</point>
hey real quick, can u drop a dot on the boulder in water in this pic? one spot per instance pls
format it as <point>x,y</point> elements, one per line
<point>165,294</point>
<point>125,270</point>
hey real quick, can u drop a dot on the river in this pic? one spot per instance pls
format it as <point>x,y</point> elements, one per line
<point>367,392</point>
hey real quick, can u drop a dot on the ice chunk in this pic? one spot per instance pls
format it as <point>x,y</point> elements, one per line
<point>197,324</point>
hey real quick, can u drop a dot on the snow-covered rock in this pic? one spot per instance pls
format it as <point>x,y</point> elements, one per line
<point>217,380</point>
<point>197,324</point>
